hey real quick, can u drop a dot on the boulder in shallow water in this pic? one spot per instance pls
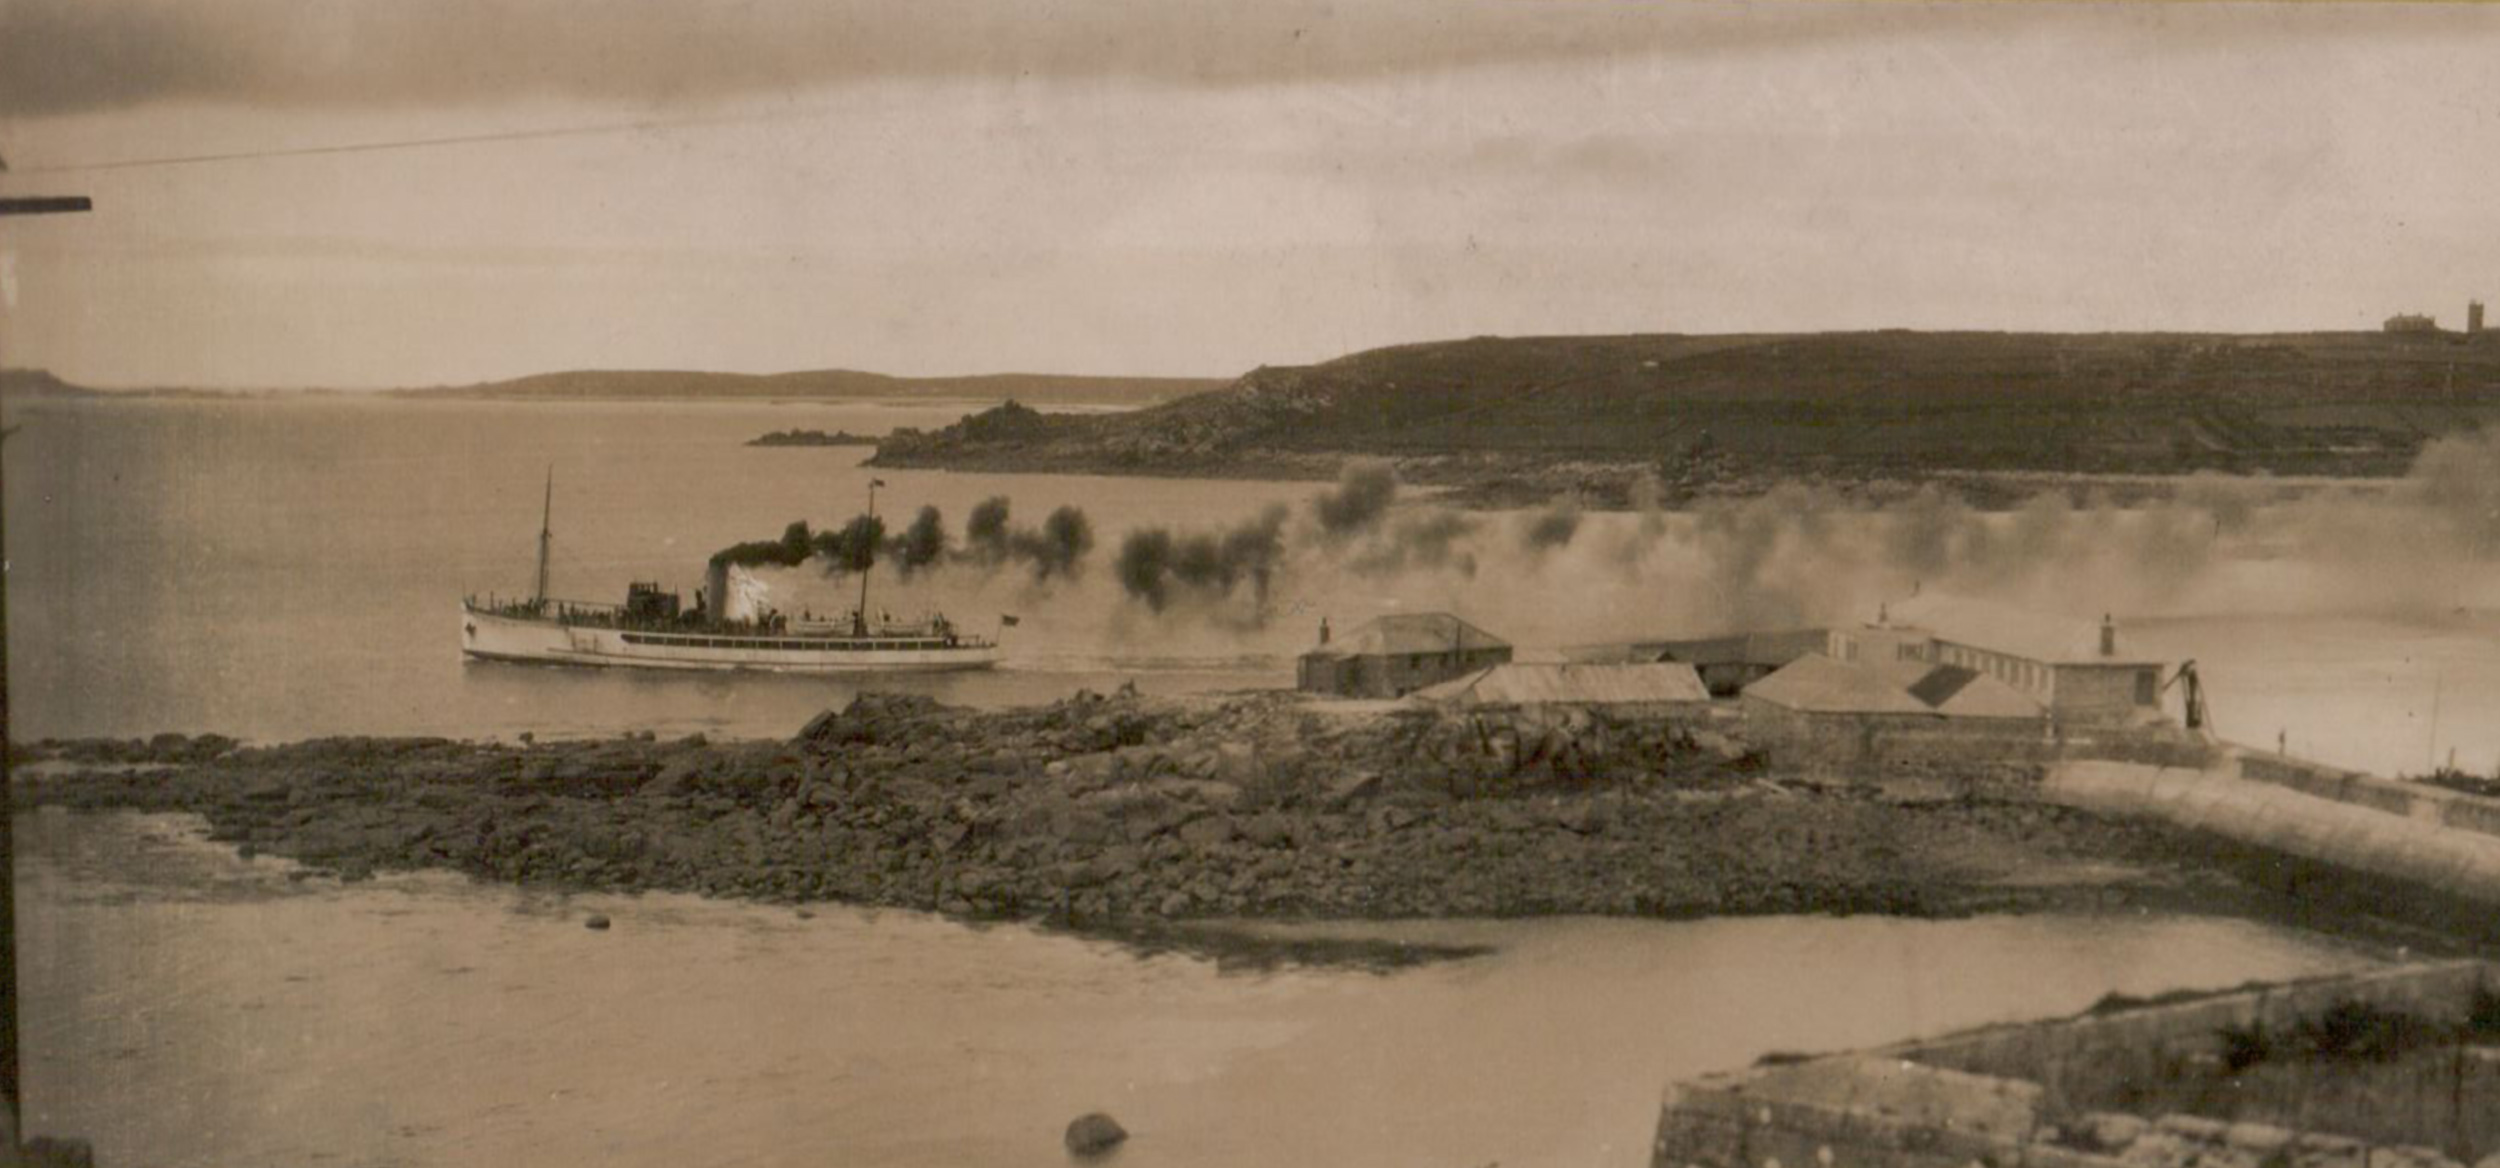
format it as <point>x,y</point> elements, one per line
<point>1094,1134</point>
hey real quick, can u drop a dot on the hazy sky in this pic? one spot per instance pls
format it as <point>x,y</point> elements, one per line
<point>1190,187</point>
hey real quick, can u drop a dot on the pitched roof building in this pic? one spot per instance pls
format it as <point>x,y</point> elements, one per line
<point>1817,684</point>
<point>1646,684</point>
<point>1396,655</point>
<point>1956,692</point>
<point>2078,669</point>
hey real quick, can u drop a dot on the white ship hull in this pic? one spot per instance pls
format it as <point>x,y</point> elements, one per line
<point>493,637</point>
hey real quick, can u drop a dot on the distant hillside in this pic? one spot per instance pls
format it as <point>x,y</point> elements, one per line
<point>38,383</point>
<point>1706,411</point>
<point>833,383</point>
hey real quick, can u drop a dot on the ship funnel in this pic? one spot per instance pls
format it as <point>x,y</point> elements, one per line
<point>716,591</point>
<point>749,597</point>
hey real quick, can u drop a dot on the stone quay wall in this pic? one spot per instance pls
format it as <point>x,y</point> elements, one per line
<point>1994,1097</point>
<point>2360,838</point>
<point>2418,801</point>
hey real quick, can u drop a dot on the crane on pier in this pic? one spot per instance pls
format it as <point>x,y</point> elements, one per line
<point>2193,687</point>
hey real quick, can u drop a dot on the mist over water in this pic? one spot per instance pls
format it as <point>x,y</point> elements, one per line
<point>1797,555</point>
<point>2422,546</point>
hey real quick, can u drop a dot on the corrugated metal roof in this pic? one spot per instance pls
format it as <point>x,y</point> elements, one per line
<point>2003,628</point>
<point>1404,633</point>
<point>1818,684</point>
<point>1573,684</point>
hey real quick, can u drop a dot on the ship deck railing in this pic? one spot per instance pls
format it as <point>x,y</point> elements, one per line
<point>598,614</point>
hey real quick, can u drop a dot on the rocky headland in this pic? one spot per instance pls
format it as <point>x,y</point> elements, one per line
<point>1671,419</point>
<point>1110,811</point>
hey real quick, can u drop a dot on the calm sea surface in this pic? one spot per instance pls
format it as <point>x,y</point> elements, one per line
<point>188,1008</point>
<point>281,570</point>
<point>277,571</point>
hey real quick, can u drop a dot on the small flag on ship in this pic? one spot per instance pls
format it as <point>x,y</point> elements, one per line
<point>1008,620</point>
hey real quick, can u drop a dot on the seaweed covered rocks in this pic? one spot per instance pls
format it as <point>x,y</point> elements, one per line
<point>1100,809</point>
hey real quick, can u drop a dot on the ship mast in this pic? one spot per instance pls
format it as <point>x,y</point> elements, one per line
<point>546,537</point>
<point>868,557</point>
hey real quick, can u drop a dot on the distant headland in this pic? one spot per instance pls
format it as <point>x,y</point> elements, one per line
<point>1516,420</point>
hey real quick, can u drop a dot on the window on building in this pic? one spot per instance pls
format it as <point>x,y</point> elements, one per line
<point>2147,690</point>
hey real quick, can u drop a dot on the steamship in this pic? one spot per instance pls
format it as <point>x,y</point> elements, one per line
<point>724,630</point>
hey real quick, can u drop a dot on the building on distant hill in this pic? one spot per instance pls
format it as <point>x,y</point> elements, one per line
<point>1645,687</point>
<point>2074,667</point>
<point>1397,655</point>
<point>2473,317</point>
<point>2412,322</point>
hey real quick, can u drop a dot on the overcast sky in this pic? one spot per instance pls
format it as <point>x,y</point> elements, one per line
<point>1191,187</point>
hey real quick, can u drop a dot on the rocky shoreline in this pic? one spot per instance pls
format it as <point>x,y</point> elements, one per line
<point>1113,813</point>
<point>812,438</point>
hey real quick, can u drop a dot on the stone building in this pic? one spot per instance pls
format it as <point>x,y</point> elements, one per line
<point>1397,655</point>
<point>2075,668</point>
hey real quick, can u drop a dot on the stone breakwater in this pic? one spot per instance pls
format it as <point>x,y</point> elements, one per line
<point>1095,811</point>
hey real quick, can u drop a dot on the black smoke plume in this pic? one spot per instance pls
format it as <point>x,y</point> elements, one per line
<point>1055,550</point>
<point>1209,568</point>
<point>855,548</point>
<point>791,550</point>
<point>922,545</point>
<point>1552,528</point>
<point>1059,548</point>
<point>985,533</point>
<point>1363,495</point>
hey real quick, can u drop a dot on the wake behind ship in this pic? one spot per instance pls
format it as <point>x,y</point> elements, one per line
<point>653,629</point>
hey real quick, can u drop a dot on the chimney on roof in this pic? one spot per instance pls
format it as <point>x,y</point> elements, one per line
<point>1323,630</point>
<point>2109,636</point>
